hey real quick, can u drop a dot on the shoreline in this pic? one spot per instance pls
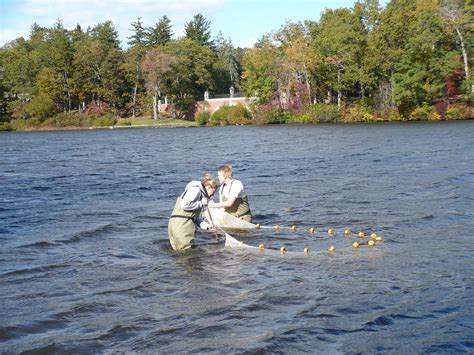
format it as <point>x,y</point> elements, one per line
<point>194,125</point>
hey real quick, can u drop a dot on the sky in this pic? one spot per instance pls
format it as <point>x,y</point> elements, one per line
<point>242,21</point>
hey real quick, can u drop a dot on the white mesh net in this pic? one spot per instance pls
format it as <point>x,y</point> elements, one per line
<point>224,220</point>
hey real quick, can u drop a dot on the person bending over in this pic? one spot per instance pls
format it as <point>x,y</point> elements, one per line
<point>187,212</point>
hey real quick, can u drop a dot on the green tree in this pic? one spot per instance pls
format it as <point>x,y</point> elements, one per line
<point>368,72</point>
<point>427,58</point>
<point>260,70</point>
<point>57,53</point>
<point>227,71</point>
<point>19,68</point>
<point>134,75</point>
<point>38,35</point>
<point>369,12</point>
<point>339,39</point>
<point>379,57</point>
<point>88,58</point>
<point>40,108</point>
<point>99,74</point>
<point>77,34</point>
<point>161,33</point>
<point>113,78</point>
<point>106,34</point>
<point>139,34</point>
<point>48,83</point>
<point>191,75</point>
<point>199,30</point>
<point>230,60</point>
<point>385,46</point>
<point>5,88</point>
<point>134,56</point>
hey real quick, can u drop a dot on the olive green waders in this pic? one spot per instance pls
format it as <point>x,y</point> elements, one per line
<point>182,227</point>
<point>240,208</point>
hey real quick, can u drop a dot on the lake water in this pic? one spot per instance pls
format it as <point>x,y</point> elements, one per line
<point>85,263</point>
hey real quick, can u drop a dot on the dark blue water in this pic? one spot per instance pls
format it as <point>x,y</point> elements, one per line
<point>85,264</point>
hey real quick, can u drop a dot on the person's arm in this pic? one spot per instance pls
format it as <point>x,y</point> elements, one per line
<point>206,222</point>
<point>227,203</point>
<point>202,223</point>
<point>234,192</point>
<point>192,199</point>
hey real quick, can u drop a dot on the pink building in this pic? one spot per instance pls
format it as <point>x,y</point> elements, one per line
<point>212,105</point>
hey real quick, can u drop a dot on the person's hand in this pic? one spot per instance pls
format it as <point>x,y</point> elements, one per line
<point>211,228</point>
<point>204,201</point>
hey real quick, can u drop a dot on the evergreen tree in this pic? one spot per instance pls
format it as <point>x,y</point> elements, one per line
<point>138,43</point>
<point>227,66</point>
<point>160,34</point>
<point>88,59</point>
<point>112,78</point>
<point>106,34</point>
<point>369,12</point>
<point>77,34</point>
<point>58,54</point>
<point>139,36</point>
<point>37,35</point>
<point>198,30</point>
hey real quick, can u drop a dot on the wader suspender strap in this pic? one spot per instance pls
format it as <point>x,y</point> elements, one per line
<point>204,191</point>
<point>230,186</point>
<point>221,189</point>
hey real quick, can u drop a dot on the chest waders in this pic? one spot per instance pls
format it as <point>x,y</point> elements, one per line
<point>240,208</point>
<point>182,226</point>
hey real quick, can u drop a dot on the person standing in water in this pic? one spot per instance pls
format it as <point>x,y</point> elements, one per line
<point>187,212</point>
<point>232,196</point>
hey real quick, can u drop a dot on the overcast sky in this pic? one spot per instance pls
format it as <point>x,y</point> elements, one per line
<point>243,21</point>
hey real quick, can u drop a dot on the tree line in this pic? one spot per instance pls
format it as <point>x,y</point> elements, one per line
<point>409,60</point>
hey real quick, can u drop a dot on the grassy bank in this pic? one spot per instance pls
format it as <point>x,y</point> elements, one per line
<point>99,123</point>
<point>150,122</point>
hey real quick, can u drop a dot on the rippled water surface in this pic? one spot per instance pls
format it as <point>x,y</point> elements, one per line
<point>85,264</point>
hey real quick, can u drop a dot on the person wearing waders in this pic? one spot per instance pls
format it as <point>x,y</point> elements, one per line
<point>187,212</point>
<point>232,196</point>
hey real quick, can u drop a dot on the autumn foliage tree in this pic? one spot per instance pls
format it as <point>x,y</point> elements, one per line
<point>156,66</point>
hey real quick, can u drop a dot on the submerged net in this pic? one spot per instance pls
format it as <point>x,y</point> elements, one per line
<point>231,242</point>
